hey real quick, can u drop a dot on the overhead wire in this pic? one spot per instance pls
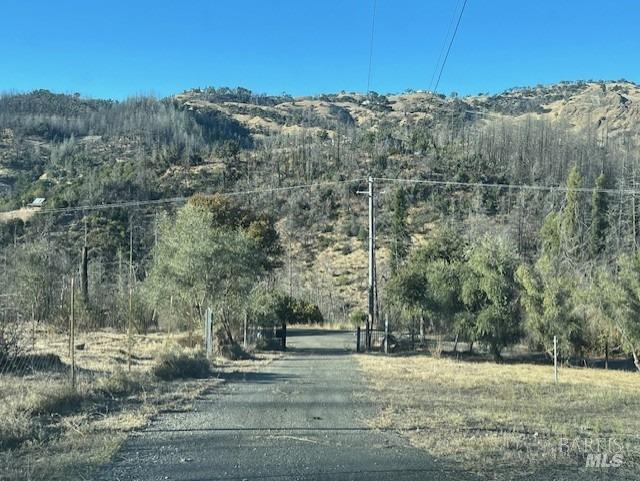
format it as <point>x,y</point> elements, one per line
<point>453,37</point>
<point>444,44</point>
<point>373,26</point>
<point>494,185</point>
<point>182,199</point>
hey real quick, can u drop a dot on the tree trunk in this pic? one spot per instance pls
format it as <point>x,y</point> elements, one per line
<point>455,344</point>
<point>636,361</point>
<point>497,356</point>
<point>84,276</point>
<point>422,330</point>
<point>470,347</point>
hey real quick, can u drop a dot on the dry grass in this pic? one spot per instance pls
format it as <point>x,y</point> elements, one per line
<point>24,213</point>
<point>182,364</point>
<point>49,431</point>
<point>505,421</point>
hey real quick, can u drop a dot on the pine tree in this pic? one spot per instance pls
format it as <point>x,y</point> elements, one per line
<point>399,232</point>
<point>599,223</point>
<point>571,212</point>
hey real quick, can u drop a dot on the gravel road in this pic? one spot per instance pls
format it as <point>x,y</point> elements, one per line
<point>300,418</point>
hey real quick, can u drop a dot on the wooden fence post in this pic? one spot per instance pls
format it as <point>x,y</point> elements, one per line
<point>555,359</point>
<point>72,336</point>
<point>386,334</point>
<point>244,331</point>
<point>358,339</point>
<point>208,332</point>
<point>284,336</point>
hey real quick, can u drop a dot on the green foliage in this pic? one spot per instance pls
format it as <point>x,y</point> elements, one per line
<point>550,235</point>
<point>599,221</point>
<point>572,212</point>
<point>274,308</point>
<point>490,293</point>
<point>549,305</point>
<point>400,238</point>
<point>226,214</point>
<point>627,301</point>
<point>428,283</point>
<point>198,265</point>
<point>357,317</point>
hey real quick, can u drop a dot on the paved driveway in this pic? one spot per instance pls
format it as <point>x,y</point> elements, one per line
<point>300,418</point>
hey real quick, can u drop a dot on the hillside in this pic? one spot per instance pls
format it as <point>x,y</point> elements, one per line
<point>614,106</point>
<point>75,152</point>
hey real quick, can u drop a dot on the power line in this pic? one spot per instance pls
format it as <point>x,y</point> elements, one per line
<point>531,187</point>
<point>373,26</point>
<point>444,44</point>
<point>444,62</point>
<point>178,200</point>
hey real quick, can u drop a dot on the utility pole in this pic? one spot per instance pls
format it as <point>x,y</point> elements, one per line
<point>290,267</point>
<point>129,324</point>
<point>72,336</point>
<point>372,310</point>
<point>84,266</point>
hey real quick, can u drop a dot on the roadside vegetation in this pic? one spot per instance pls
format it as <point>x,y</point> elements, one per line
<point>50,431</point>
<point>509,421</point>
<point>461,255</point>
<point>578,288</point>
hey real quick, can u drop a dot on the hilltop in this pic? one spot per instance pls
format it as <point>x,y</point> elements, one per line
<point>76,151</point>
<point>613,105</point>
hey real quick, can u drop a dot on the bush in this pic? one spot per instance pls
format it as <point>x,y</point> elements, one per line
<point>119,383</point>
<point>59,400</point>
<point>182,364</point>
<point>268,344</point>
<point>15,428</point>
<point>234,352</point>
<point>10,348</point>
<point>278,308</point>
<point>358,317</point>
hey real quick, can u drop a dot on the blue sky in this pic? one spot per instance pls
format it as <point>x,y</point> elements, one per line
<point>119,48</point>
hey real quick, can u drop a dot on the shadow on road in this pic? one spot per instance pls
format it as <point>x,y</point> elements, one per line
<point>305,353</point>
<point>254,377</point>
<point>306,332</point>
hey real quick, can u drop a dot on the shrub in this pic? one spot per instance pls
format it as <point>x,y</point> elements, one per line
<point>278,308</point>
<point>119,383</point>
<point>15,428</point>
<point>60,399</point>
<point>10,346</point>
<point>358,317</point>
<point>182,364</point>
<point>234,352</point>
<point>268,344</point>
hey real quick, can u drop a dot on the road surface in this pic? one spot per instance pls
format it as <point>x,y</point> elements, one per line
<point>300,418</point>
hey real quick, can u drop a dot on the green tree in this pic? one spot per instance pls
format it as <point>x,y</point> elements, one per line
<point>427,285</point>
<point>626,297</point>
<point>599,222</point>
<point>490,293</point>
<point>227,214</point>
<point>548,302</point>
<point>271,308</point>
<point>399,233</point>
<point>198,265</point>
<point>571,217</point>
